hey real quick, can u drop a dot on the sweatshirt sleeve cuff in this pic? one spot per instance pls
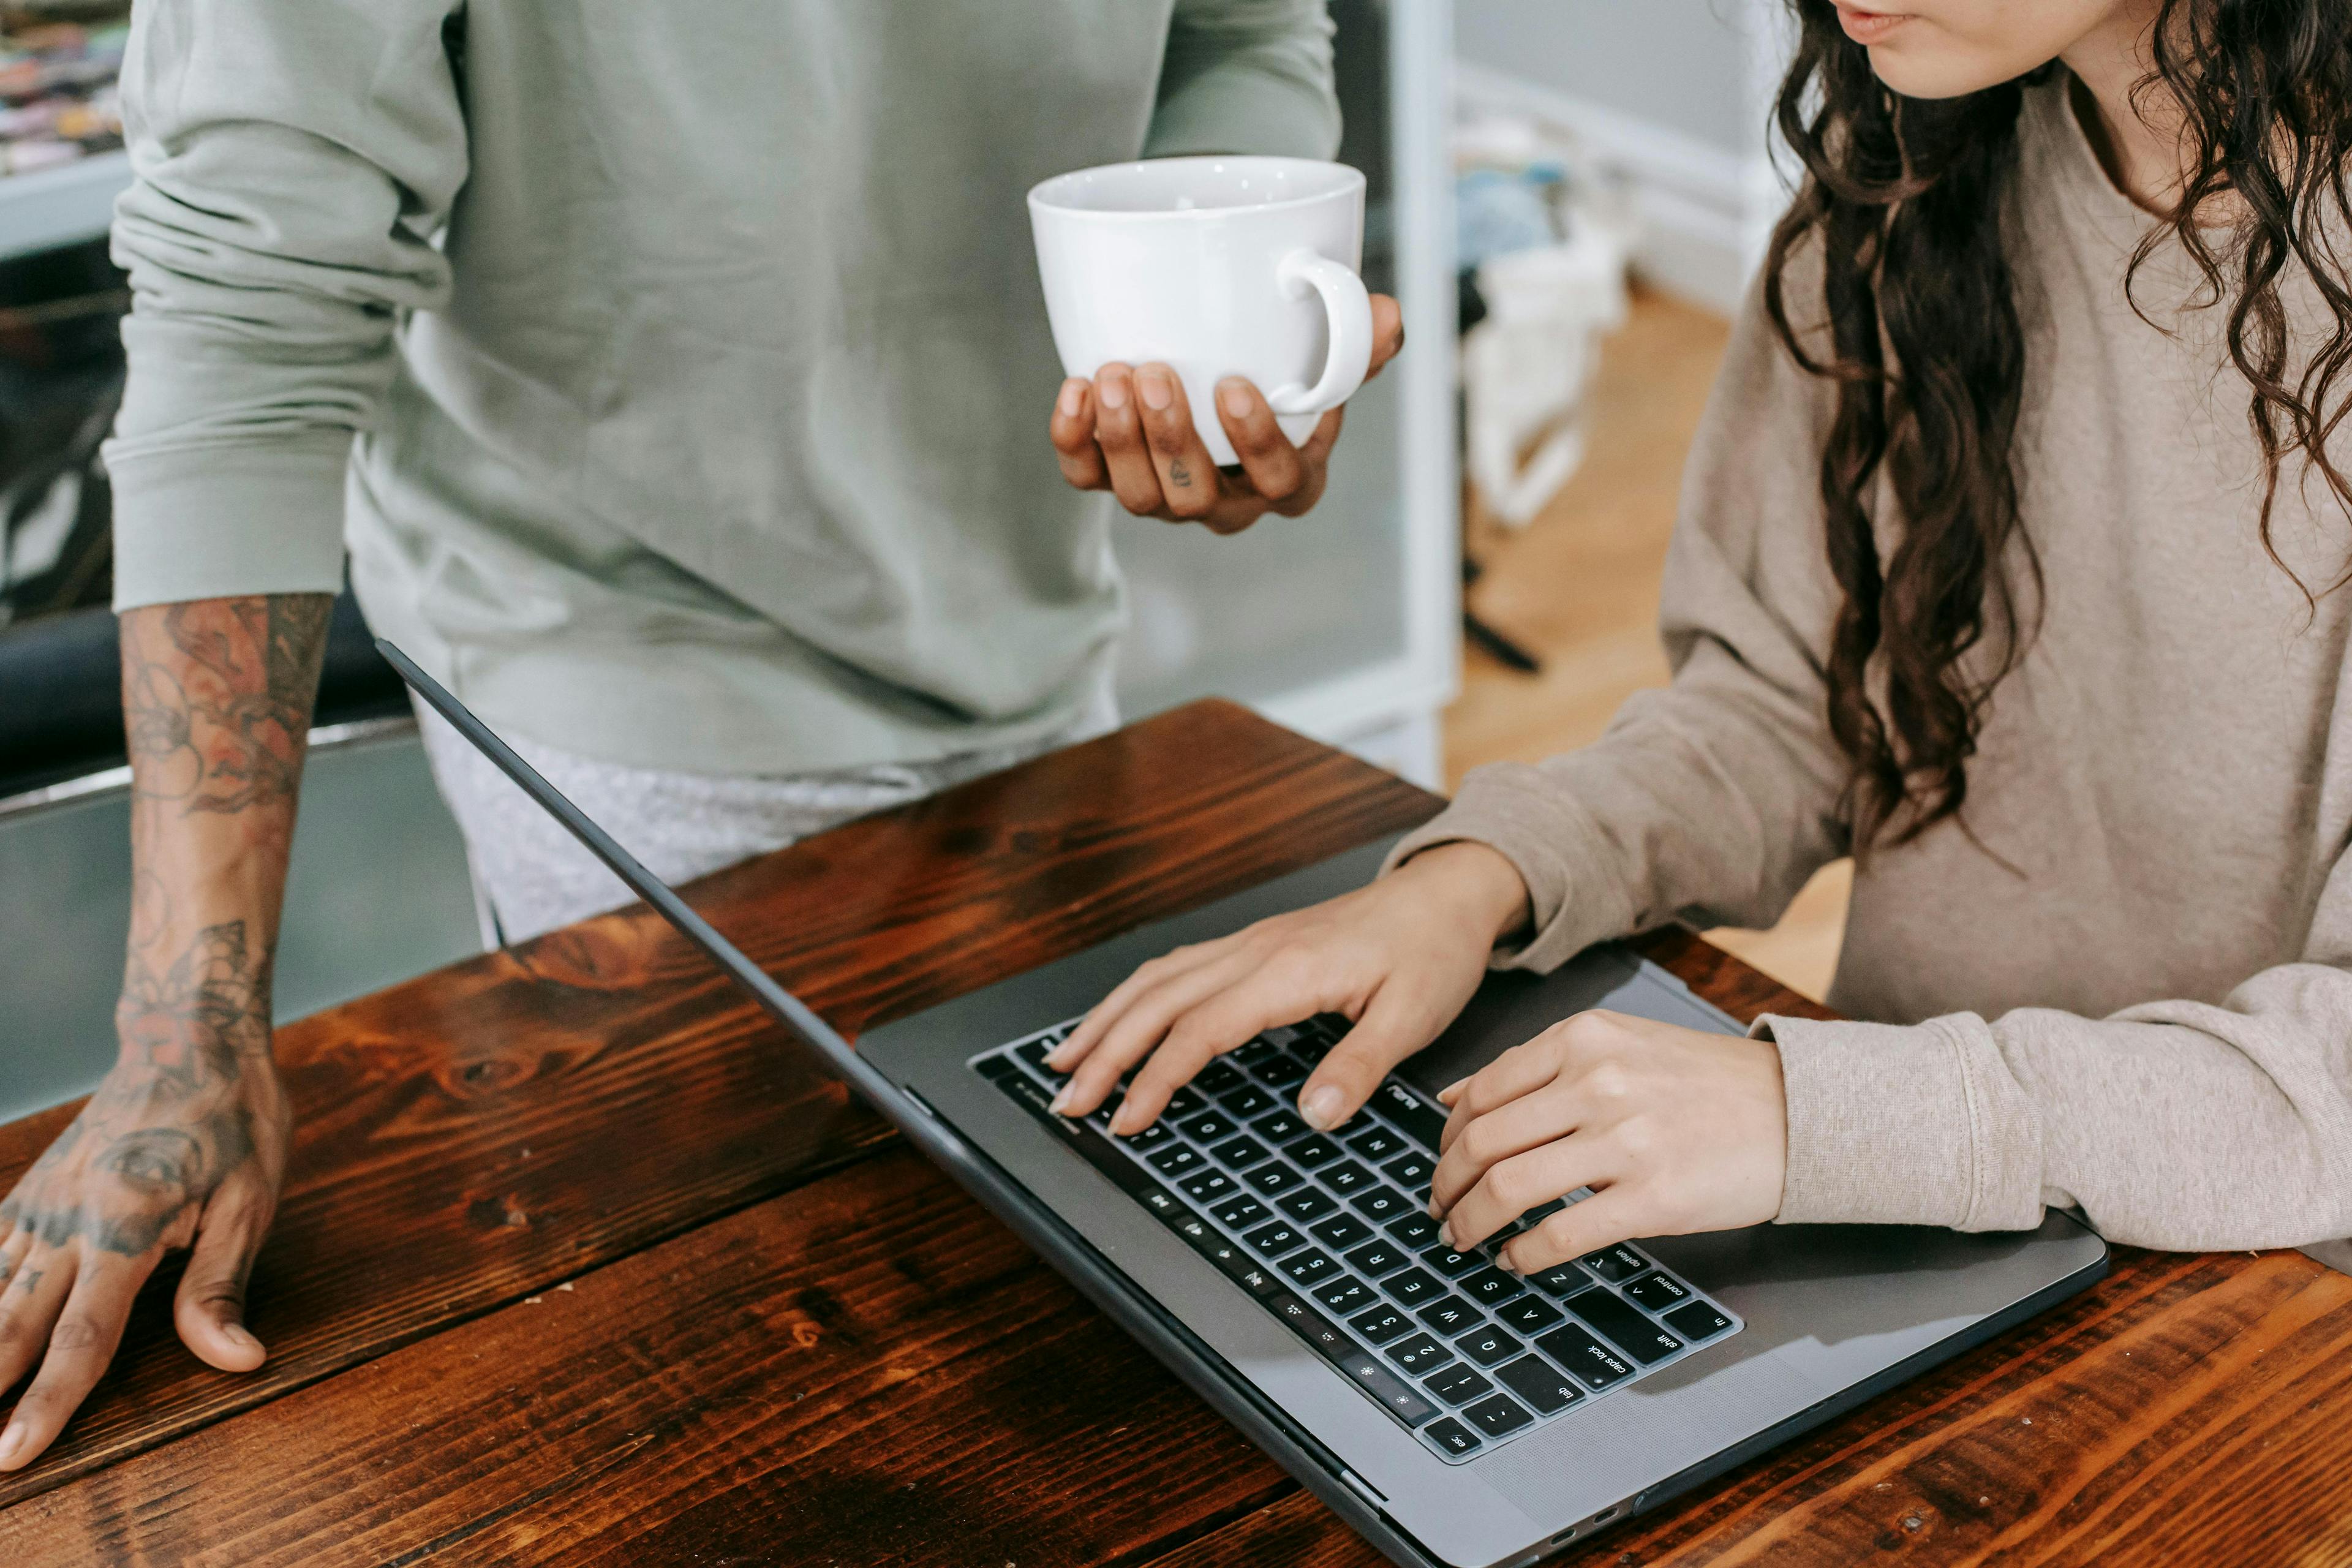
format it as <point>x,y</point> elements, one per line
<point>217,522</point>
<point>1555,848</point>
<point>1904,1125</point>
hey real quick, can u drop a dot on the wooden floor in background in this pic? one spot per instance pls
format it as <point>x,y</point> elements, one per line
<point>1579,589</point>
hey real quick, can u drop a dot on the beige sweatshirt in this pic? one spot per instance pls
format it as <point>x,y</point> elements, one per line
<point>2150,1018</point>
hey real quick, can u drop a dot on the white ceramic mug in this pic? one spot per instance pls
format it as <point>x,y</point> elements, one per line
<point>1215,267</point>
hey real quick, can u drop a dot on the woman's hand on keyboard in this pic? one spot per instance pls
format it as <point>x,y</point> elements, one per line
<point>1675,1129</point>
<point>1400,958</point>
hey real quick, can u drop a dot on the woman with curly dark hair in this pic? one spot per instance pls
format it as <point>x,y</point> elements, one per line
<point>2014,561</point>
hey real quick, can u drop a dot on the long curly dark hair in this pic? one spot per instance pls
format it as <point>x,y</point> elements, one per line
<point>1901,205</point>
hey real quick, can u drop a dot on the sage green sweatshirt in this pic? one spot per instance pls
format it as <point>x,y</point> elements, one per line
<point>677,376</point>
<point>2135,993</point>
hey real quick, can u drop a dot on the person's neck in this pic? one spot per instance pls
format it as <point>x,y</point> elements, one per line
<point>2141,146</point>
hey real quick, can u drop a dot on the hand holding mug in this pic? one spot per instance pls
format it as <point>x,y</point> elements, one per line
<point>1131,431</point>
<point>1178,289</point>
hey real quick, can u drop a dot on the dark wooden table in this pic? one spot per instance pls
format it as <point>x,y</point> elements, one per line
<point>582,1261</point>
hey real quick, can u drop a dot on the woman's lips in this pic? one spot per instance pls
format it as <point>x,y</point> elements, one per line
<point>1867,27</point>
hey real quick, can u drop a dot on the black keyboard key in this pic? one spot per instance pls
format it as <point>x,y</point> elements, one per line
<point>1279,1127</point>
<point>1381,1324</point>
<point>1384,1385</point>
<point>1615,1264</point>
<point>1491,1286</point>
<point>1544,1387</point>
<point>1588,1361</point>
<point>1277,1239</point>
<point>1696,1321</point>
<point>1414,1287</point>
<point>1207,1128</point>
<point>1208,1186</point>
<point>1101,1114</point>
<point>995,1068</point>
<point>1183,1104</point>
<point>1344,1295</point>
<point>1280,1073</point>
<point>1452,1263</point>
<point>1275,1179</point>
<point>1219,1077</point>
<point>1342,1231</point>
<point>1376,1142</point>
<point>1377,1258</point>
<point>1411,1172</point>
<point>1306,1202</point>
<point>1528,1314</point>
<point>1405,1111</point>
<point>1450,1436</point>
<point>1034,1053</point>
<point>1488,1346</point>
<point>1176,1159</point>
<point>1240,1212</point>
<point>1312,1151</point>
<point>1497,1415</point>
<point>1419,1354</point>
<point>1310,1268</point>
<point>1246,1102</point>
<point>1380,1203</point>
<point>1346,1177</point>
<point>1458,1384</point>
<point>1450,1316</point>
<point>1415,1229</point>
<point>1258,1050</point>
<point>1151,1138</point>
<point>1560,1279</point>
<point>1657,1292</point>
<point>1623,1327</point>
<point>1240,1153</point>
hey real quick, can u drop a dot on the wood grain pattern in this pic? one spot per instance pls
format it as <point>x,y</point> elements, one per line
<point>865,1370</point>
<point>482,1133</point>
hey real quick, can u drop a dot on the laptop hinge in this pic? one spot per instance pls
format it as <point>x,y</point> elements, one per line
<point>1371,1494</point>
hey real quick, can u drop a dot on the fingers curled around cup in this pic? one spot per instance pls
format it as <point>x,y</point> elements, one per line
<point>1266,455</point>
<point>1072,431</point>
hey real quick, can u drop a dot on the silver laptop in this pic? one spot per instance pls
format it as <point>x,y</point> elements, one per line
<point>1451,1412</point>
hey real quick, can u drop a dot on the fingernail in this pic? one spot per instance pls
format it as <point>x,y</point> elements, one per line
<point>1446,1235</point>
<point>1061,1101</point>
<point>1073,396</point>
<point>1112,393</point>
<point>1453,1091</point>
<point>238,1336</point>
<point>1321,1110</point>
<point>10,1441</point>
<point>1156,390</point>
<point>1236,395</point>
<point>1434,1211</point>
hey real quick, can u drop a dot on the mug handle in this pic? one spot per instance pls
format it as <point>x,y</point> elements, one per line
<point>1348,309</point>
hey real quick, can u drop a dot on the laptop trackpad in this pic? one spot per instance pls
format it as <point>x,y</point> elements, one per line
<point>1513,1007</point>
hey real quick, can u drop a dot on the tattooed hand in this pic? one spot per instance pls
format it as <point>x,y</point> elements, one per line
<point>183,1143</point>
<point>1129,431</point>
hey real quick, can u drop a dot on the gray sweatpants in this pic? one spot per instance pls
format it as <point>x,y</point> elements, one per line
<point>531,876</point>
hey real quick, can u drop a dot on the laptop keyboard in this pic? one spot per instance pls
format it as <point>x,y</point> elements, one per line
<point>1330,1233</point>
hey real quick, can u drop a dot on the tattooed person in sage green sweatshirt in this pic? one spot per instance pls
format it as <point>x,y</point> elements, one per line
<point>676,382</point>
<point>1984,575</point>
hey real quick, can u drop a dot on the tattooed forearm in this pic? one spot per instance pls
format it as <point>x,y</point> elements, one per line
<point>216,697</point>
<point>203,1017</point>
